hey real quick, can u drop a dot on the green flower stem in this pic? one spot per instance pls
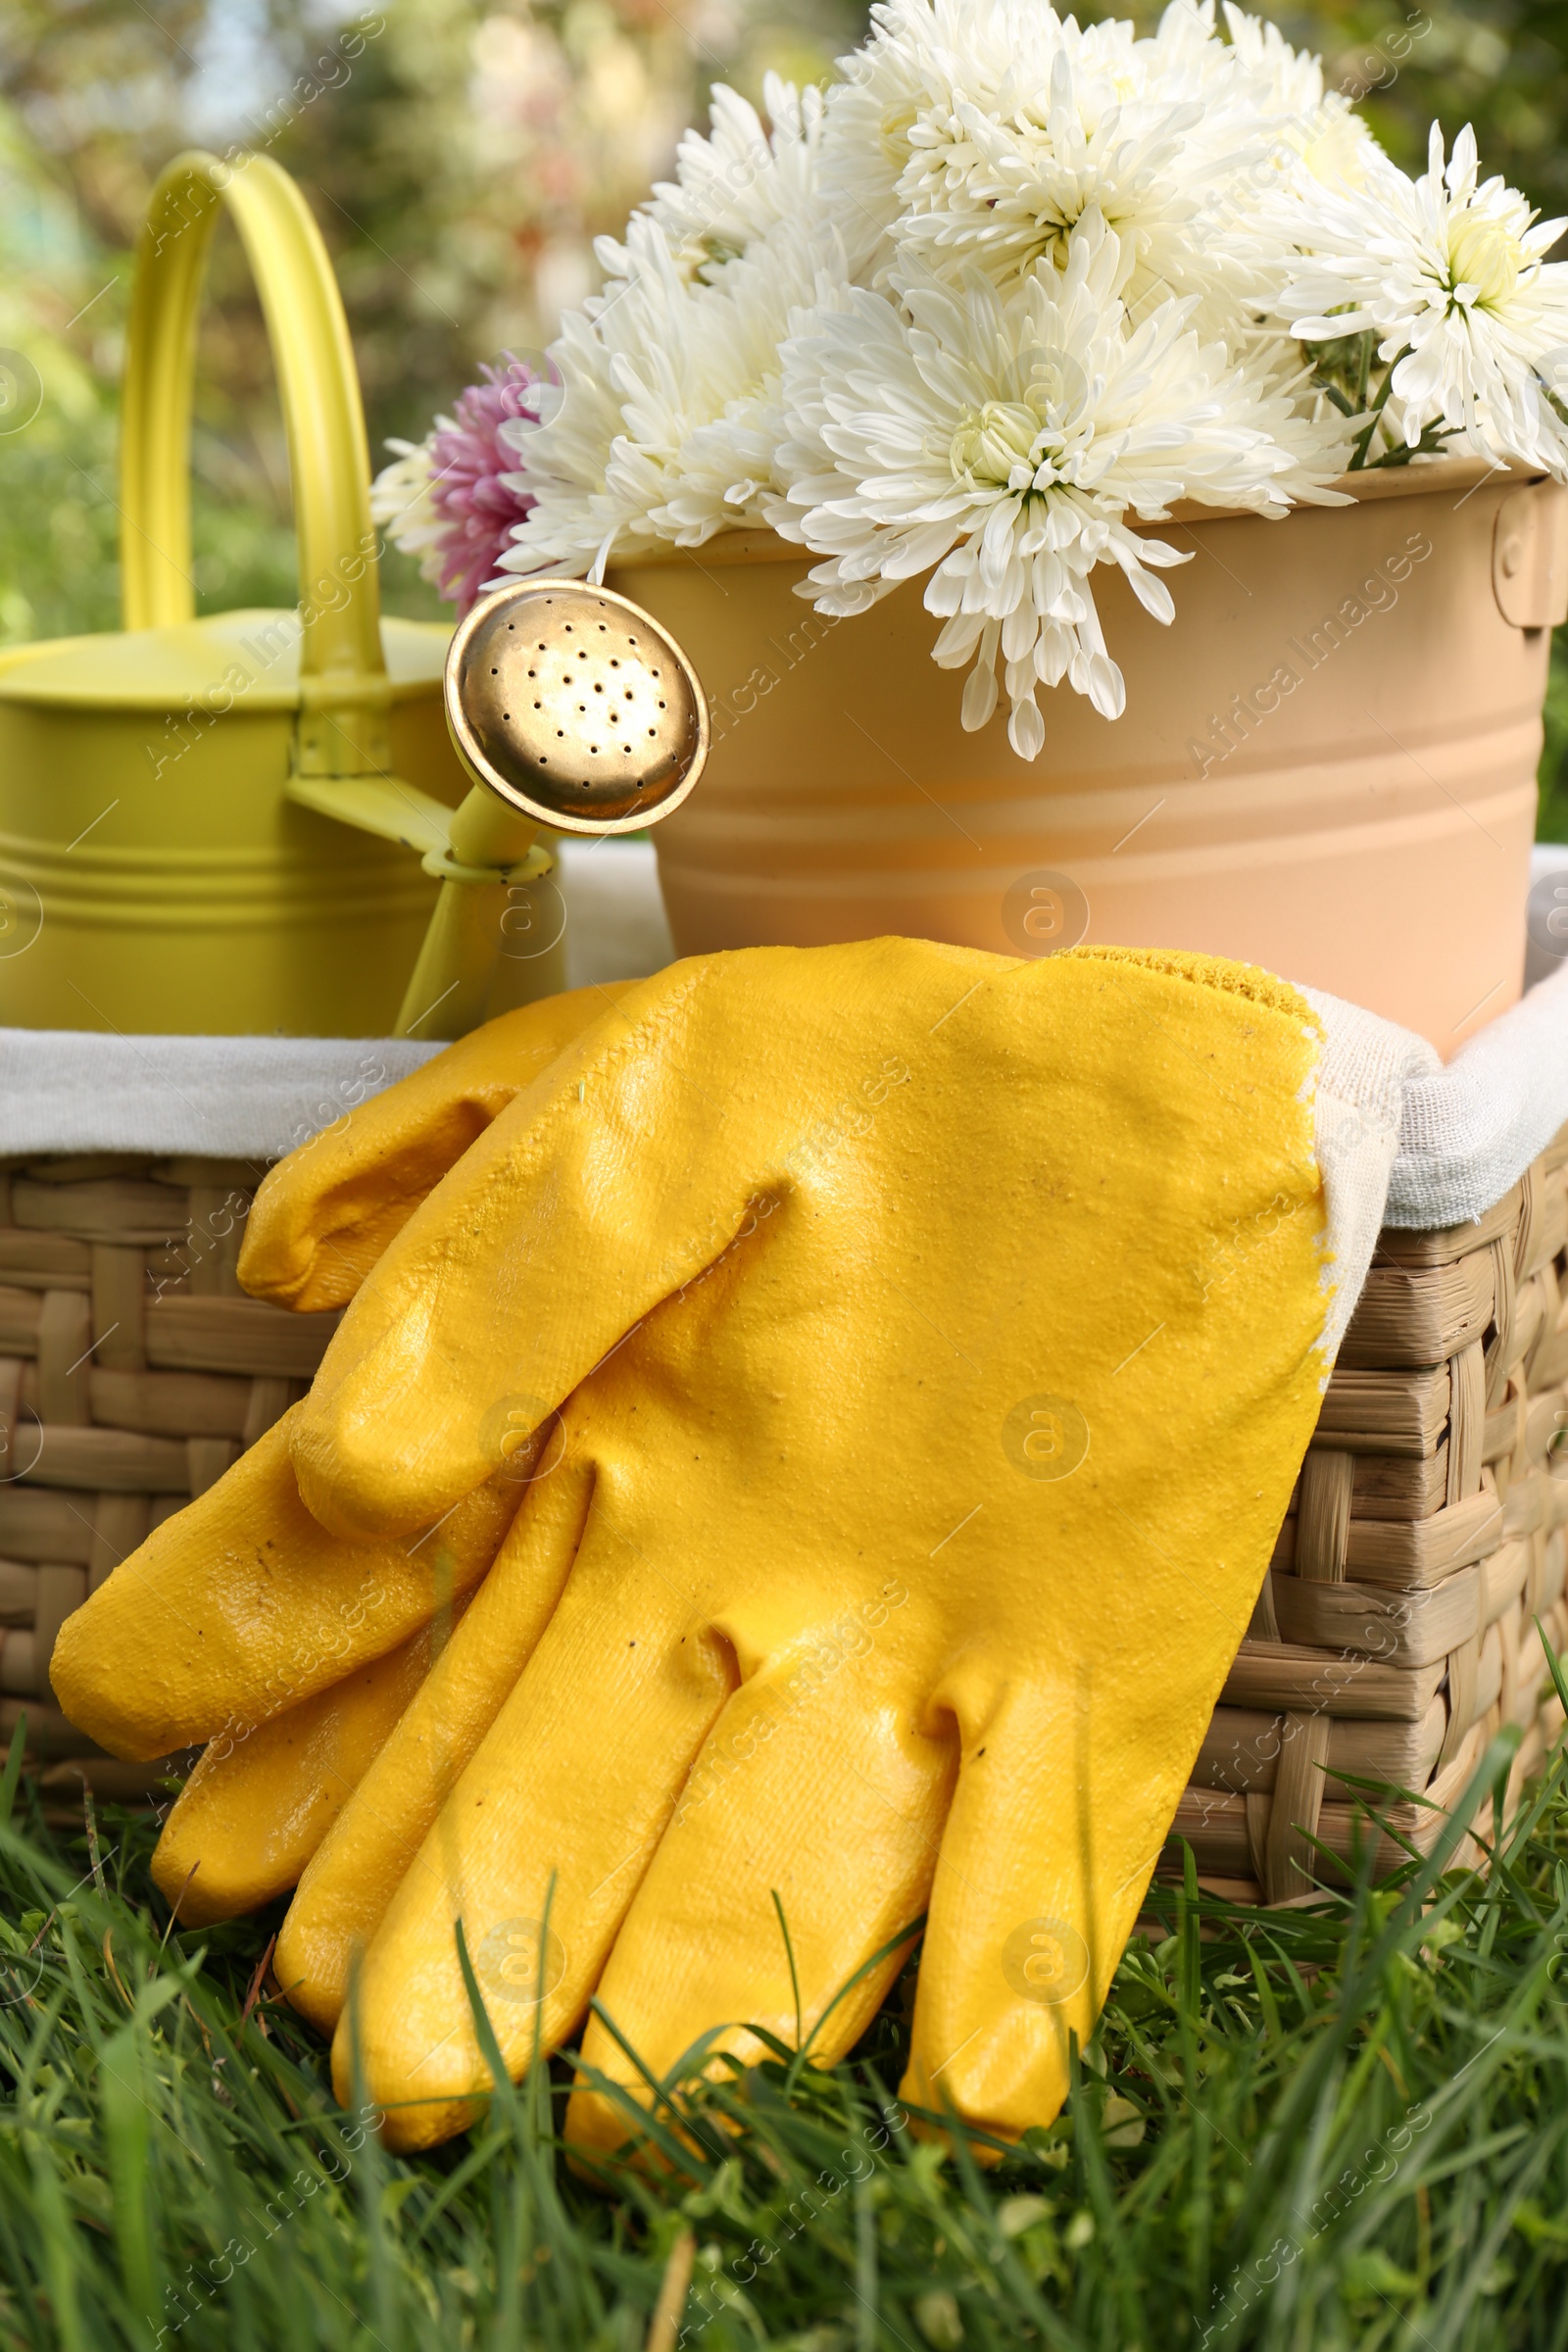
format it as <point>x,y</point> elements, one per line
<point>1364,439</point>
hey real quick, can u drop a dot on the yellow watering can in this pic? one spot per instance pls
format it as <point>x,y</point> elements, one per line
<point>205,825</point>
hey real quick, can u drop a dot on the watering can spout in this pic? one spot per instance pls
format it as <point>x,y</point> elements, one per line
<point>570,709</point>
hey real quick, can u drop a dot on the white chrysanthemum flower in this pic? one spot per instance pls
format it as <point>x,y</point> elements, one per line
<point>1449,276</point>
<point>1168,139</point>
<point>1006,192</point>
<point>1282,83</point>
<point>669,419</point>
<point>738,183</point>
<point>1336,149</point>
<point>402,503</point>
<point>1313,438</point>
<point>1003,439</point>
<point>920,54</point>
<point>1266,118</point>
<point>1265,217</point>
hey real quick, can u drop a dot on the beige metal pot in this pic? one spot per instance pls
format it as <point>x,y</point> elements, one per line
<point>1327,764</point>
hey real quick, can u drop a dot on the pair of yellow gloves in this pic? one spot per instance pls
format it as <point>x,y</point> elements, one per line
<point>786,1452</point>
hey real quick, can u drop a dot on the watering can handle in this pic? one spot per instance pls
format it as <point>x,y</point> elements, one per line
<point>343,682</point>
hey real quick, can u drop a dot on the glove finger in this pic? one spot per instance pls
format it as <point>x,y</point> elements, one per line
<point>1056,1826</point>
<point>242,1606</point>
<point>559,1206</point>
<point>251,1814</point>
<point>323,1216</point>
<point>357,1868</point>
<point>836,1802</point>
<point>555,1820</point>
<point>626,1171</point>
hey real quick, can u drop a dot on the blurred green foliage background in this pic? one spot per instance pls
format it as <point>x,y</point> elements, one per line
<point>460,163</point>
<point>460,155</point>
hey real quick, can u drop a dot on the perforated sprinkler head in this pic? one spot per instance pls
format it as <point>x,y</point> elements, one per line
<point>574,706</point>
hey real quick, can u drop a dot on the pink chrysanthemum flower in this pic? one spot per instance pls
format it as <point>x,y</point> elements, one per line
<point>445,499</point>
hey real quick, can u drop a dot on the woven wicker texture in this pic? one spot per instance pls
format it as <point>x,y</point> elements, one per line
<point>133,1372</point>
<point>1394,1635</point>
<point>1396,1630</point>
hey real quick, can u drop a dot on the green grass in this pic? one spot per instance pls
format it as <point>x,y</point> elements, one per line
<point>1341,2127</point>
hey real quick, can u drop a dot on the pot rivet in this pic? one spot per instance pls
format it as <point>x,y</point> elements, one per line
<point>1512,556</point>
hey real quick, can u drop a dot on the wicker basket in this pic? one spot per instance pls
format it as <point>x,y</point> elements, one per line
<point>1393,1633</point>
<point>133,1372</point>
<point>1396,1630</point>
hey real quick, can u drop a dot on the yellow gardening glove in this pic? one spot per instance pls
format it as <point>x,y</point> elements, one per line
<point>243,1623</point>
<point>296,1657</point>
<point>912,1485</point>
<point>323,1216</point>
